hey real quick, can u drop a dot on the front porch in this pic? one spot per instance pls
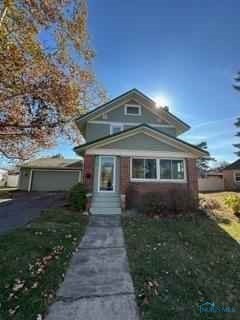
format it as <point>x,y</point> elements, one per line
<point>140,160</point>
<point>109,180</point>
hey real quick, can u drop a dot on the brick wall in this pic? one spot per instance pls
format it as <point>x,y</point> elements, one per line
<point>88,172</point>
<point>192,176</point>
<point>124,174</point>
<point>135,190</point>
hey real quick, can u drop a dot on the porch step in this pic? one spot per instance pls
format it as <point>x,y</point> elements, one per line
<point>106,199</point>
<point>106,203</point>
<point>106,211</point>
<point>106,195</point>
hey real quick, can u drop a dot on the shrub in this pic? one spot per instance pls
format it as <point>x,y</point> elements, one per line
<point>132,198</point>
<point>209,204</point>
<point>78,197</point>
<point>168,202</point>
<point>233,202</point>
<point>181,201</point>
<point>153,204</point>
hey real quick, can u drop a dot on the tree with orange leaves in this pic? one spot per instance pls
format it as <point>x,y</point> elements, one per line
<point>45,73</point>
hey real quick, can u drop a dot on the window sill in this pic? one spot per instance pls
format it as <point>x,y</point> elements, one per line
<point>158,181</point>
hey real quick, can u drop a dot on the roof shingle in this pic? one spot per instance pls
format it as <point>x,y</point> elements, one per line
<point>51,163</point>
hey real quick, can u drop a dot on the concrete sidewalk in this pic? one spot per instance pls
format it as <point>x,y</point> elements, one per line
<point>98,285</point>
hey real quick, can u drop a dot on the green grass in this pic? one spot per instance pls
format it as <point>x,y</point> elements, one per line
<point>33,261</point>
<point>224,216</point>
<point>6,193</point>
<point>233,228</point>
<point>177,264</point>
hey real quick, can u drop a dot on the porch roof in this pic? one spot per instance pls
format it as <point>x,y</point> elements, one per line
<point>124,134</point>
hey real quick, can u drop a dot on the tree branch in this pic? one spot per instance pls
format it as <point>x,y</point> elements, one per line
<point>6,155</point>
<point>3,15</point>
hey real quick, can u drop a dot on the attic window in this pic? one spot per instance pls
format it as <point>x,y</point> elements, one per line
<point>132,110</point>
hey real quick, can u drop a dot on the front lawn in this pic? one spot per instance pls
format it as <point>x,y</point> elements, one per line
<point>222,214</point>
<point>33,261</point>
<point>178,264</point>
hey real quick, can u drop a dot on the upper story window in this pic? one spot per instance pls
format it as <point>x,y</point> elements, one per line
<point>132,110</point>
<point>115,128</point>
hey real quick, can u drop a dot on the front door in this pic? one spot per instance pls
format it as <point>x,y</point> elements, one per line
<point>106,176</point>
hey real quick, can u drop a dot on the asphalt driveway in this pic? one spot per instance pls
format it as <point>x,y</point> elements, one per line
<point>25,207</point>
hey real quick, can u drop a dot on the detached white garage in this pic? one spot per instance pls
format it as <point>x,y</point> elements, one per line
<point>50,174</point>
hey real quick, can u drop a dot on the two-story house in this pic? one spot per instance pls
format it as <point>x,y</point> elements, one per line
<point>132,144</point>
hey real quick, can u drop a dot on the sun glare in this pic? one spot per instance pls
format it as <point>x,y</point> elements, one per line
<point>161,101</point>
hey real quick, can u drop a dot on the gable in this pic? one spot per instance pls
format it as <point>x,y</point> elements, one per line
<point>142,141</point>
<point>114,111</point>
<point>117,113</point>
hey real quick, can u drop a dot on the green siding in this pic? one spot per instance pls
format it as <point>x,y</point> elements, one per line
<point>97,131</point>
<point>168,130</point>
<point>119,116</point>
<point>141,141</point>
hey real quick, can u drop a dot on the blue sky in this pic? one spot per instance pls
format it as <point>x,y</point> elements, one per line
<point>187,51</point>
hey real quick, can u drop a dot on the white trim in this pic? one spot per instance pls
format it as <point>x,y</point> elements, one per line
<point>131,123</point>
<point>136,179</point>
<point>139,153</point>
<point>158,179</point>
<point>30,181</point>
<point>118,125</point>
<point>126,113</point>
<point>234,176</point>
<point>80,176</point>
<point>99,174</point>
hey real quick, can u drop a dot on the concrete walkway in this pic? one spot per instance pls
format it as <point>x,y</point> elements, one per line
<point>98,285</point>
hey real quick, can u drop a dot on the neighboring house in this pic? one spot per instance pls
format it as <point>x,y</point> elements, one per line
<point>12,178</point>
<point>50,174</point>
<point>133,145</point>
<point>3,177</point>
<point>231,176</point>
<point>211,181</point>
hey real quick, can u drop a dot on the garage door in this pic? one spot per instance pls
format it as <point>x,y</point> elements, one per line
<point>53,180</point>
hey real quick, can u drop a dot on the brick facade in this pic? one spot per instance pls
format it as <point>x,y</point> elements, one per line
<point>124,174</point>
<point>88,172</point>
<point>192,176</point>
<point>135,190</point>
